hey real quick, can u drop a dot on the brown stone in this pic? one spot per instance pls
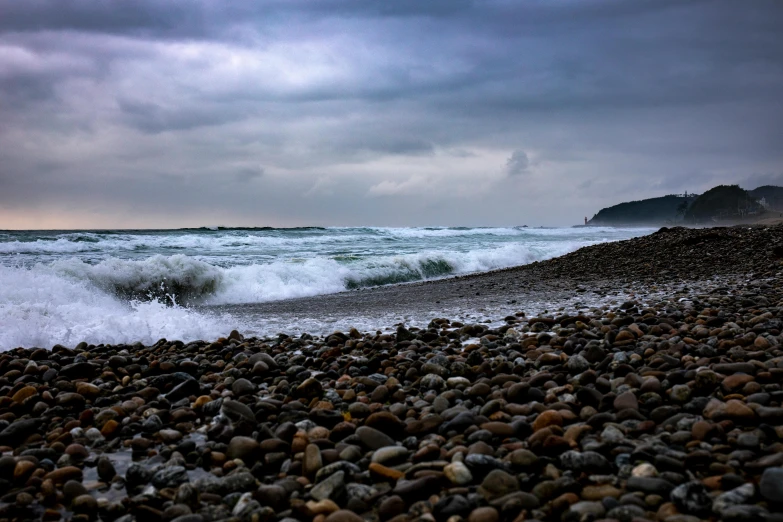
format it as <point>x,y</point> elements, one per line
<point>626,401</point>
<point>761,343</point>
<point>343,515</point>
<point>666,510</point>
<point>564,501</point>
<point>383,472</point>
<point>500,429</point>
<point>600,491</point>
<point>201,401</point>
<point>712,482</point>
<point>701,429</point>
<point>736,410</point>
<point>110,428</point>
<point>23,470</point>
<point>387,423</point>
<point>63,475</point>
<point>555,444</point>
<point>484,514</point>
<point>735,382</point>
<point>24,393</point>
<point>324,506</point>
<point>575,432</point>
<point>87,390</point>
<point>546,419</point>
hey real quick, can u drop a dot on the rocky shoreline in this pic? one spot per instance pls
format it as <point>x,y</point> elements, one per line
<point>668,406</point>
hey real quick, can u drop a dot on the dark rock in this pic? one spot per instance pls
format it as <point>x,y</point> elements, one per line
<point>170,477</point>
<point>183,390</point>
<point>373,438</point>
<point>650,485</point>
<point>771,485</point>
<point>588,461</point>
<point>452,505</point>
<point>693,498</point>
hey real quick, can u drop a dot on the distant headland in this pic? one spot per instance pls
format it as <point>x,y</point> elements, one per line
<point>721,205</point>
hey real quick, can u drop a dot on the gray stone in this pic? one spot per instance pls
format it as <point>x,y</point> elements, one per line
<point>245,506</point>
<point>693,498</point>
<point>588,461</point>
<point>312,460</point>
<point>498,483</point>
<point>744,513</point>
<point>521,499</point>
<point>650,485</point>
<point>183,390</point>
<point>522,458</point>
<point>170,477</point>
<point>483,463</point>
<point>577,364</point>
<point>626,512</point>
<point>734,497</point>
<point>452,505</point>
<point>432,381</point>
<point>237,411</point>
<point>373,438</point>
<point>244,448</point>
<point>390,455</point>
<point>348,468</point>
<point>242,387</point>
<point>771,485</point>
<point>587,508</point>
<point>229,484</point>
<point>105,469</point>
<point>330,487</point>
<point>458,473</point>
<point>361,492</point>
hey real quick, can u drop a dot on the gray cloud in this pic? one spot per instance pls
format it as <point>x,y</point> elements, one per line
<point>247,174</point>
<point>517,163</point>
<point>145,105</point>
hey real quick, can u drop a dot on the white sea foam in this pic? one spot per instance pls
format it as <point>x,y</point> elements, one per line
<point>41,308</point>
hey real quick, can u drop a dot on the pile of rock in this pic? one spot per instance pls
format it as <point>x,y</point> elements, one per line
<point>671,253</point>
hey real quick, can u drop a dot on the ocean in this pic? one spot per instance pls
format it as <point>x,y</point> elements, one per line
<point>127,286</point>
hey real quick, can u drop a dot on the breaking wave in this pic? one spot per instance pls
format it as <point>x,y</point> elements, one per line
<point>128,286</point>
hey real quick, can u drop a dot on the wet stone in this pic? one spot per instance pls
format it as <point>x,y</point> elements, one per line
<point>373,438</point>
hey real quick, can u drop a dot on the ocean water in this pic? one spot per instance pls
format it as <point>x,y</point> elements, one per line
<point>124,286</point>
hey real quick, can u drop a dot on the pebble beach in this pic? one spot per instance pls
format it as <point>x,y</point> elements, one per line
<point>665,406</point>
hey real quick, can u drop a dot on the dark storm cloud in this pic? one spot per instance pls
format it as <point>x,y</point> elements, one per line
<point>343,101</point>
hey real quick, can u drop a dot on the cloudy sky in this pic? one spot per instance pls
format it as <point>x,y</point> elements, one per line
<point>379,112</point>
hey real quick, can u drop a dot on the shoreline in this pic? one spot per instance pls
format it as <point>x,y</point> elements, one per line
<point>664,402</point>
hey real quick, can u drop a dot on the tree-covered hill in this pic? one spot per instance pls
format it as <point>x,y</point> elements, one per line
<point>772,196</point>
<point>653,211</point>
<point>721,204</point>
<point>724,202</point>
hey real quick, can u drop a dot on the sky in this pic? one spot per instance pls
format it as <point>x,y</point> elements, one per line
<point>151,114</point>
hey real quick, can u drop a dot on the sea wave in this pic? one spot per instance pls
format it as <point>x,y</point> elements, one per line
<point>186,280</point>
<point>41,308</point>
<point>244,241</point>
<point>53,293</point>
